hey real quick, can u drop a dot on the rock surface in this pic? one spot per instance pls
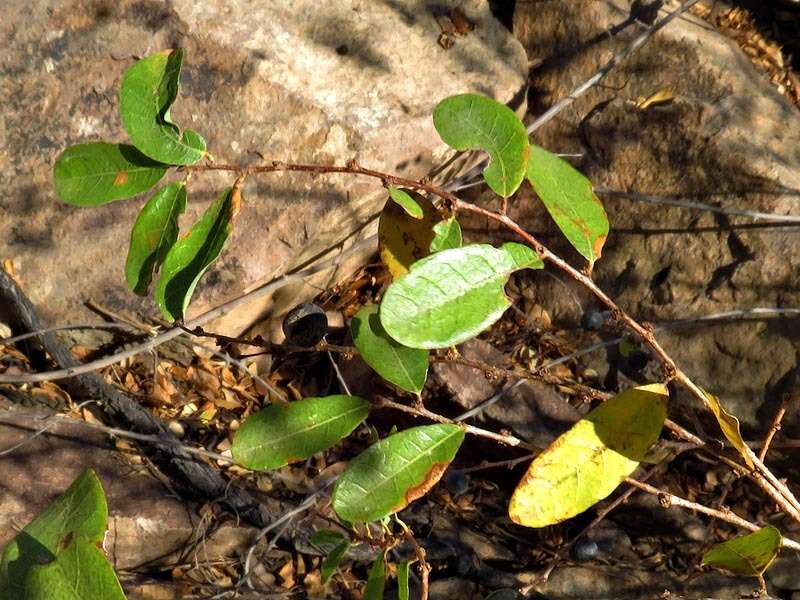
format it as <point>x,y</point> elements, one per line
<point>728,139</point>
<point>293,80</point>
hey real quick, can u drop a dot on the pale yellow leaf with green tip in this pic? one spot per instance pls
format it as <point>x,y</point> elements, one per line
<point>589,461</point>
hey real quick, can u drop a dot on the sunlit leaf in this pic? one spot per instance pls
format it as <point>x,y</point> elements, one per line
<point>471,121</point>
<point>148,90</point>
<point>405,367</point>
<point>395,471</point>
<point>588,462</point>
<point>79,572</point>
<point>453,295</point>
<point>406,202</point>
<point>285,433</point>
<point>191,255</point>
<point>153,234</point>
<point>402,238</point>
<point>729,426</point>
<point>569,198</point>
<point>80,511</point>
<point>746,555</point>
<point>375,580</point>
<point>97,173</point>
<point>402,580</point>
<point>447,235</point>
<point>657,98</point>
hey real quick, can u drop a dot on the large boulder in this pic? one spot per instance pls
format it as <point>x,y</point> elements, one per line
<point>728,139</point>
<point>299,81</point>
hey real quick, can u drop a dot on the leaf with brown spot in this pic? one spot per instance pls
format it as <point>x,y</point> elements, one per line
<point>395,471</point>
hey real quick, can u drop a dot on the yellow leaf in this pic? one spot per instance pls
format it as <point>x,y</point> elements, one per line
<point>730,427</point>
<point>589,461</point>
<point>404,239</point>
<point>662,96</point>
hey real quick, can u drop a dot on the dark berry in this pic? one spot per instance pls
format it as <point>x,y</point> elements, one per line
<point>456,483</point>
<point>305,325</point>
<point>638,360</point>
<point>585,550</point>
<point>593,320</point>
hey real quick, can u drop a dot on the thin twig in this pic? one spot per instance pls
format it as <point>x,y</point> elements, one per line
<point>174,332</point>
<point>724,514</point>
<point>775,427</point>
<point>424,567</point>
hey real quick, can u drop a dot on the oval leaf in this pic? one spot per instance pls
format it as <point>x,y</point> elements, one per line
<point>730,427</point>
<point>447,235</point>
<point>148,90</point>
<point>97,173</point>
<point>407,368</point>
<point>153,234</point>
<point>746,555</point>
<point>569,198</point>
<point>284,433</point>
<point>190,256</point>
<point>406,202</point>
<point>471,121</point>
<point>375,580</point>
<point>80,511</point>
<point>79,572</point>
<point>589,461</point>
<point>395,471</point>
<point>453,295</point>
<point>402,238</point>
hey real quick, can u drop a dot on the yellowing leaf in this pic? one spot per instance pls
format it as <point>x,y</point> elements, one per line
<point>746,555</point>
<point>403,238</point>
<point>730,427</point>
<point>589,461</point>
<point>662,96</point>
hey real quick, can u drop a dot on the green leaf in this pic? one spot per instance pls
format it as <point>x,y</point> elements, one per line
<point>153,234</point>
<point>148,90</point>
<point>191,255</point>
<point>394,472</point>
<point>79,572</point>
<point>470,121</point>
<point>402,238</point>
<point>402,580</point>
<point>406,202</point>
<point>375,580</point>
<point>407,368</point>
<point>285,433</point>
<point>97,173</point>
<point>447,235</point>
<point>746,555</point>
<point>569,198</point>
<point>80,510</point>
<point>327,539</point>
<point>332,560</point>
<point>453,295</point>
<point>589,461</point>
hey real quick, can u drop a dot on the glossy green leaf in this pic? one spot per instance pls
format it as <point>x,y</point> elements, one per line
<point>589,461</point>
<point>395,471</point>
<point>402,580</point>
<point>153,234</point>
<point>148,90</point>
<point>471,121</point>
<point>447,235</point>
<point>79,572</point>
<point>80,511</point>
<point>375,580</point>
<point>406,202</point>
<point>97,173</point>
<point>285,433</point>
<point>569,198</point>
<point>453,295</point>
<point>405,367</point>
<point>191,255</point>
<point>746,555</point>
